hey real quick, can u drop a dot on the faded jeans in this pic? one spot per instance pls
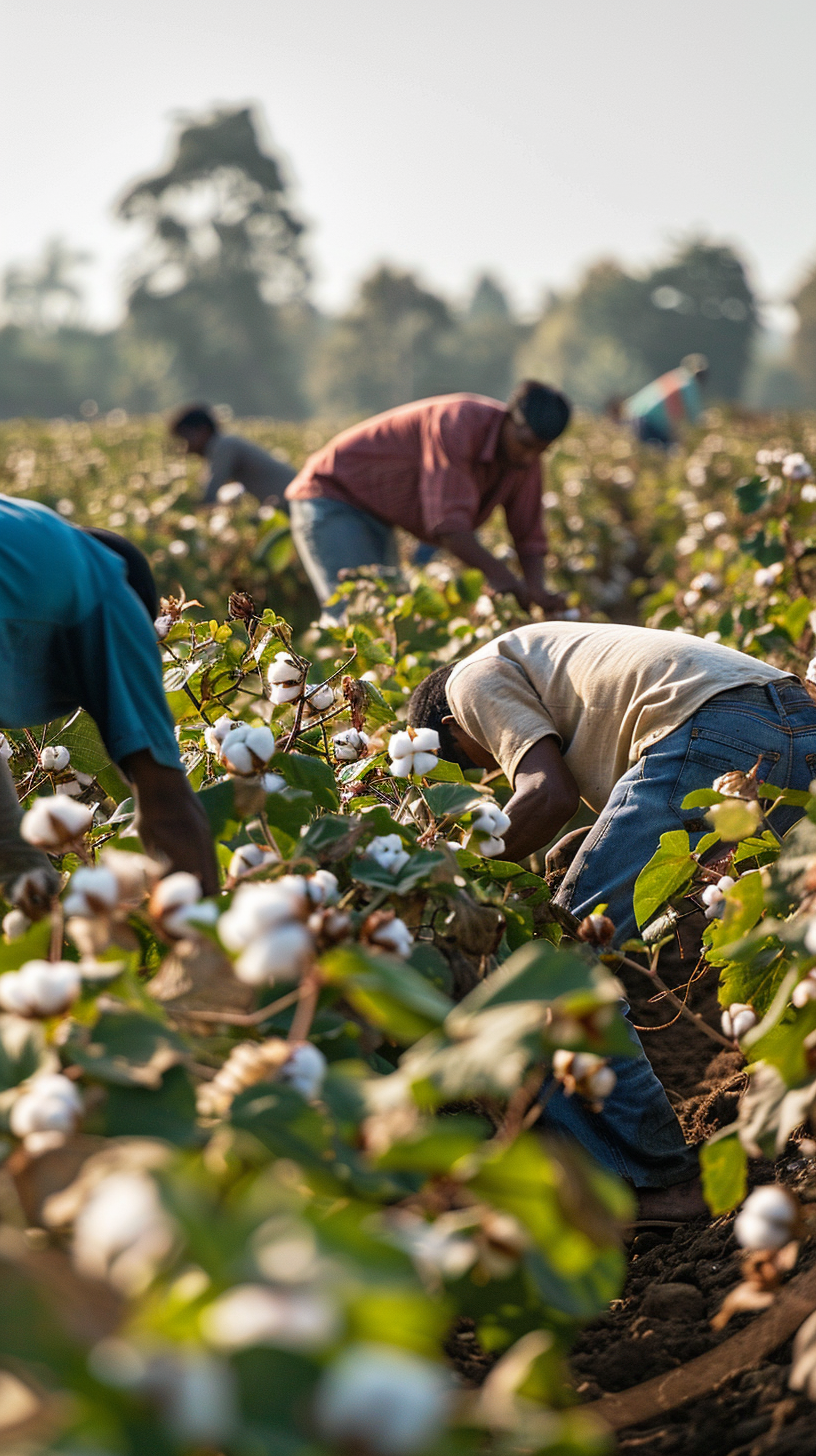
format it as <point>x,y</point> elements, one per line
<point>637,1133</point>
<point>331,535</point>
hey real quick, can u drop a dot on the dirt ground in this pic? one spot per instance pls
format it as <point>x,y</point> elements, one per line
<point>653,1328</point>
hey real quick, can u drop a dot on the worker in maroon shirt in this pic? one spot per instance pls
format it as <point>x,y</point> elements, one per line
<point>437,468</point>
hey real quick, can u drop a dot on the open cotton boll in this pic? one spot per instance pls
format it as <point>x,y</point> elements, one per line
<point>15,925</point>
<point>54,759</point>
<point>323,888</point>
<point>135,874</point>
<point>254,1314</point>
<point>804,992</point>
<point>401,745</point>
<point>425,740</point>
<point>122,1233</point>
<point>214,736</point>
<point>320,698</point>
<point>349,745</point>
<point>278,955</point>
<point>6,749</point>
<point>50,1103</point>
<point>737,1019</point>
<point>402,768</point>
<point>767,1219</point>
<point>487,845</point>
<point>490,819</point>
<point>56,822</point>
<point>170,899</point>
<point>255,909</point>
<point>40,988</point>
<point>249,857</point>
<point>380,1399</point>
<point>304,1070</point>
<point>283,669</point>
<point>796,467</point>
<point>395,936</point>
<point>387,850</point>
<point>280,693</point>
<point>424,763</point>
<point>92,891</point>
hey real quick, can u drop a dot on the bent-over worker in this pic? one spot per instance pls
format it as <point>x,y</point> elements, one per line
<point>630,720</point>
<point>231,458</point>
<point>438,468</point>
<point>76,632</point>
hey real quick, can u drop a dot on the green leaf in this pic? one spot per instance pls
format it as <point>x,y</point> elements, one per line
<point>795,619</point>
<point>390,994</point>
<point>81,737</point>
<point>702,798</point>
<point>438,1150</point>
<point>218,802</point>
<point>764,549</point>
<point>22,1051</point>
<point>283,1122</point>
<point>447,773</point>
<point>670,869</point>
<point>169,1112</point>
<point>327,834</point>
<point>452,799</point>
<point>751,494</point>
<point>744,905</point>
<point>126,1048</point>
<point>33,946</point>
<point>395,1315</point>
<point>289,810</point>
<point>724,1168</point>
<point>313,774</point>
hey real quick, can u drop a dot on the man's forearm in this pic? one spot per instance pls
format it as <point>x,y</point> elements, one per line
<point>533,823</point>
<point>533,569</point>
<point>467,546</point>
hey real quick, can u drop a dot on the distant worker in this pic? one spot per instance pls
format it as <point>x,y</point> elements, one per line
<point>438,468</point>
<point>76,632</point>
<point>231,458</point>
<point>674,399</point>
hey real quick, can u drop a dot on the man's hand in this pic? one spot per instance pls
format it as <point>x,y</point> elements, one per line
<point>545,797</point>
<point>547,600</point>
<point>172,824</point>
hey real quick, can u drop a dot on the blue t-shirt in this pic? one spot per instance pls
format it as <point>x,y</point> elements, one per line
<point>73,634</point>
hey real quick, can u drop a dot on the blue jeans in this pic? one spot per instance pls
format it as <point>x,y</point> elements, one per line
<point>332,536</point>
<point>637,1134</point>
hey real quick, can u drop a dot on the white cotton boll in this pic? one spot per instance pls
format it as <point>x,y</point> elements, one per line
<point>810,936</point>
<point>706,581</point>
<point>319,699</point>
<point>691,598</point>
<point>135,874</point>
<point>54,759</point>
<point>737,1019</point>
<point>796,467</point>
<point>402,768</point>
<point>236,755</point>
<point>50,1103</point>
<point>56,822</point>
<point>284,693</point>
<point>601,1083</point>
<point>250,857</point>
<point>279,955</point>
<point>767,576</point>
<point>424,763</point>
<point>805,991</point>
<point>387,850</point>
<point>162,625</point>
<point>382,1400</point>
<point>395,936</point>
<point>261,742</point>
<point>15,925</point>
<point>122,1233</point>
<point>91,892</point>
<point>767,1218</point>
<point>6,749</point>
<point>254,1314</point>
<point>400,745</point>
<point>725,882</point>
<point>40,988</point>
<point>323,888</point>
<point>214,736</point>
<point>349,745</point>
<point>426,740</point>
<point>172,897</point>
<point>305,1070</point>
<point>808,494</point>
<point>714,520</point>
<point>489,846</point>
<point>256,909</point>
<point>283,669</point>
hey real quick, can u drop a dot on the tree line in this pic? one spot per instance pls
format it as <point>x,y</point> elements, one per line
<point>219,307</point>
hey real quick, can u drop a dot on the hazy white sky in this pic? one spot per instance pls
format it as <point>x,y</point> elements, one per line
<point>526,136</point>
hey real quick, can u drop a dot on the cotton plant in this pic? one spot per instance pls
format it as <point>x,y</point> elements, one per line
<point>413,752</point>
<point>46,1111</point>
<point>487,826</point>
<point>350,745</point>
<point>285,678</point>
<point>40,988</point>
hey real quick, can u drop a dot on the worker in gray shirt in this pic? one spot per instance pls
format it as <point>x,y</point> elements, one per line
<point>231,458</point>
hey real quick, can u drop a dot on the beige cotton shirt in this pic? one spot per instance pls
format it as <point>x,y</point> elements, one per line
<point>607,692</point>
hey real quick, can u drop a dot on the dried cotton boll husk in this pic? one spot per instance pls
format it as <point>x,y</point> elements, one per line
<point>40,988</point>
<point>55,823</point>
<point>350,745</point>
<point>246,1064</point>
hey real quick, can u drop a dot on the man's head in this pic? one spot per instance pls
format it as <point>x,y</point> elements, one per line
<point>429,708</point>
<point>536,415</point>
<point>195,425</point>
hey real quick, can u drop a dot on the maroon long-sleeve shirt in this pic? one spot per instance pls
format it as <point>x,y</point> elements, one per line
<point>431,467</point>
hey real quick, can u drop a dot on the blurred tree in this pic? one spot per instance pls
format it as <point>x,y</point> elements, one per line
<point>45,295</point>
<point>618,331</point>
<point>221,263</point>
<point>483,348</point>
<point>804,342</point>
<point>388,349</point>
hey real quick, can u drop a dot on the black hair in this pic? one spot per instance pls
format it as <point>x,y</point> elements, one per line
<point>139,575</point>
<point>194,417</point>
<point>546,410</point>
<point>427,707</point>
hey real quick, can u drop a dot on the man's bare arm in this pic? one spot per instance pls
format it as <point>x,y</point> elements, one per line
<point>545,798</point>
<point>467,546</point>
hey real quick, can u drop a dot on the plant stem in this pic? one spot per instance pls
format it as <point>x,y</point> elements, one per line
<point>681,1006</point>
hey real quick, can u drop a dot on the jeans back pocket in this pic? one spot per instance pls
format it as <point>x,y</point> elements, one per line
<point>710,754</point>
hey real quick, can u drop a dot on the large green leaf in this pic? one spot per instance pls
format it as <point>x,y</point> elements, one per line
<point>312,774</point>
<point>168,1112</point>
<point>126,1048</point>
<point>724,1168</point>
<point>389,993</point>
<point>744,905</point>
<point>218,802</point>
<point>670,869</point>
<point>453,799</point>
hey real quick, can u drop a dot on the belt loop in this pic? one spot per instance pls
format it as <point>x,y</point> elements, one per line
<point>776,699</point>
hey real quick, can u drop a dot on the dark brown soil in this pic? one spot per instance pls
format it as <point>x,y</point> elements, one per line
<point>653,1328</point>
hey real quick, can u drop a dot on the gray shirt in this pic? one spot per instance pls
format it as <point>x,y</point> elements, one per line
<point>232,458</point>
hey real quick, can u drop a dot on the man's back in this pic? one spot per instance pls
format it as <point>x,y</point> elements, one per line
<point>231,457</point>
<point>606,691</point>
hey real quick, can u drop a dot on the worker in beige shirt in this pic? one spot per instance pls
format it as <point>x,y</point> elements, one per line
<point>631,721</point>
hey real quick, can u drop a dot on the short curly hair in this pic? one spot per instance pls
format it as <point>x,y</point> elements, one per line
<point>427,708</point>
